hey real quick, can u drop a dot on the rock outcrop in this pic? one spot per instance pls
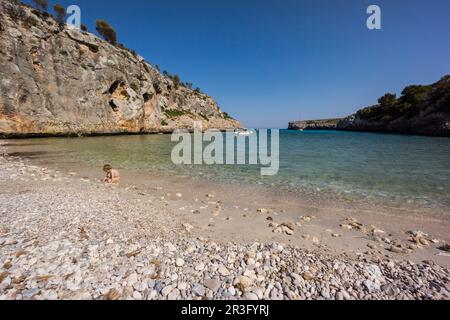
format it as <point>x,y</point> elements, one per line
<point>328,124</point>
<point>422,110</point>
<point>61,81</point>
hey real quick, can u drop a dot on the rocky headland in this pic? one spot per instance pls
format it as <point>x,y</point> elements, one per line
<point>61,81</point>
<point>328,124</point>
<point>421,109</point>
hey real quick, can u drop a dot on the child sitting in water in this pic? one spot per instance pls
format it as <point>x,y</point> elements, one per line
<point>112,175</point>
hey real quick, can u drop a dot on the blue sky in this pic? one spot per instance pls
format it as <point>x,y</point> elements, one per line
<point>269,62</point>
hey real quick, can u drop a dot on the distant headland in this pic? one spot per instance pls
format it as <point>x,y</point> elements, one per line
<point>421,109</point>
<point>326,124</point>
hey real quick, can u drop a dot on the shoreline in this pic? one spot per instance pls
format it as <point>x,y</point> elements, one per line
<point>76,135</point>
<point>42,153</point>
<point>182,237</point>
<point>230,210</point>
<point>237,196</point>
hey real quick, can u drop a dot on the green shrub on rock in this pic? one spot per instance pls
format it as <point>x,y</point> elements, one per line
<point>60,12</point>
<point>106,31</point>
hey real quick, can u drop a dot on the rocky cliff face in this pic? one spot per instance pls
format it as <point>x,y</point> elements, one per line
<point>423,110</point>
<point>57,81</point>
<point>328,124</point>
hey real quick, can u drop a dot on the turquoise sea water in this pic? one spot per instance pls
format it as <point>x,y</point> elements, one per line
<point>394,168</point>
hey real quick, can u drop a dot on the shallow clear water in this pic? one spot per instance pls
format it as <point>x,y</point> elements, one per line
<point>391,168</point>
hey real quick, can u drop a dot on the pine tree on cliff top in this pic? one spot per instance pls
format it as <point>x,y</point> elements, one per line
<point>60,13</point>
<point>106,31</point>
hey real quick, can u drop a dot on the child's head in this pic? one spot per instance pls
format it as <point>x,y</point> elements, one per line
<point>107,167</point>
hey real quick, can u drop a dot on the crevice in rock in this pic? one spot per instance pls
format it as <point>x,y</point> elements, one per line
<point>157,88</point>
<point>93,47</point>
<point>114,86</point>
<point>147,96</point>
<point>145,67</point>
<point>23,99</point>
<point>113,106</point>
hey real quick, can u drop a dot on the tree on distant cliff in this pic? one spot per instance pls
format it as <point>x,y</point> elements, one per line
<point>106,31</point>
<point>60,13</point>
<point>41,4</point>
<point>414,95</point>
<point>176,81</point>
<point>83,27</point>
<point>388,100</point>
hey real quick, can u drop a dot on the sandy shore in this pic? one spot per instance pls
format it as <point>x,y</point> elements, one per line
<point>64,235</point>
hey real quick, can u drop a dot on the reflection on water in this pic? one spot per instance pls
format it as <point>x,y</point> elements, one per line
<point>393,168</point>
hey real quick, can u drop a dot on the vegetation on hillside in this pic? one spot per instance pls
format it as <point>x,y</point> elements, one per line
<point>106,31</point>
<point>60,12</point>
<point>176,113</point>
<point>413,100</point>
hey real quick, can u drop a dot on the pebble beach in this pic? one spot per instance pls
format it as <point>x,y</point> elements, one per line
<point>65,237</point>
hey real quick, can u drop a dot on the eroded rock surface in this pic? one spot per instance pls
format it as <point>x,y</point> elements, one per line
<point>57,81</point>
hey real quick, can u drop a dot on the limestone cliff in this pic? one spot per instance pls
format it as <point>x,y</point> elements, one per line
<point>328,124</point>
<point>60,81</point>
